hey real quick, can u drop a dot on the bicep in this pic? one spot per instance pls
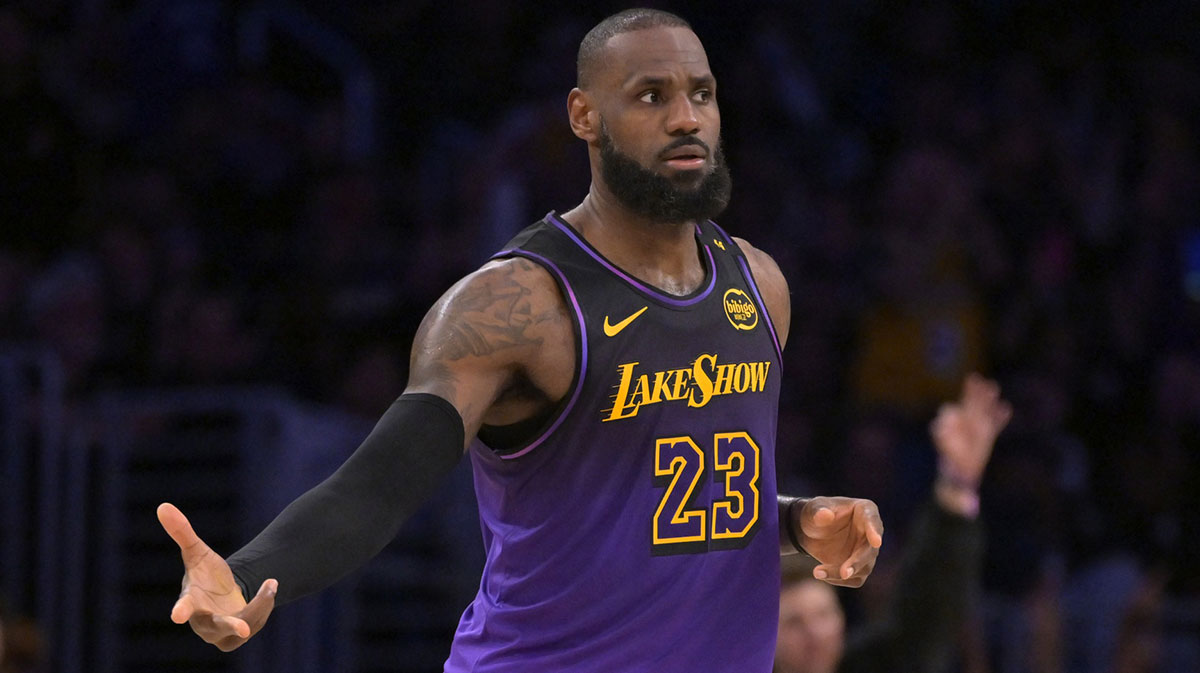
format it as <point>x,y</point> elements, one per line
<point>773,287</point>
<point>484,331</point>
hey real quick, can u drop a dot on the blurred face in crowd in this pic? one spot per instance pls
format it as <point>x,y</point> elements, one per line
<point>812,629</point>
<point>659,128</point>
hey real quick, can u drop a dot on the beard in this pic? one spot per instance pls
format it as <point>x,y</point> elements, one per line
<point>662,199</point>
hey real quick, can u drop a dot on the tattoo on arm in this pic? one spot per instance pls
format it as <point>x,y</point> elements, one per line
<point>483,318</point>
<point>493,317</point>
<point>484,333</point>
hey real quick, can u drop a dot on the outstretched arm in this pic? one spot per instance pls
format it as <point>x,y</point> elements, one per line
<point>939,569</point>
<point>503,321</point>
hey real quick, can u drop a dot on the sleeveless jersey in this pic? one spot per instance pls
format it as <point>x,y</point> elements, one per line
<point>638,530</point>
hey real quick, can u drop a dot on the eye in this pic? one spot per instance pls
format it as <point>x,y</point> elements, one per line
<point>650,97</point>
<point>702,96</point>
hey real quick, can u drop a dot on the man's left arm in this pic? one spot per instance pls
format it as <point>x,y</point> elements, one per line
<point>842,534</point>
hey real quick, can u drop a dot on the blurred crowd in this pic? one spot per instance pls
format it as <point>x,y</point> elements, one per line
<point>1003,186</point>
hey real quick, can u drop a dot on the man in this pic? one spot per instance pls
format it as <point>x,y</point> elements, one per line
<point>618,366</point>
<point>938,571</point>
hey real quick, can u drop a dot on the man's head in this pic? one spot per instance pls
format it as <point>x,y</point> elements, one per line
<point>592,47</point>
<point>812,627</point>
<point>646,105</point>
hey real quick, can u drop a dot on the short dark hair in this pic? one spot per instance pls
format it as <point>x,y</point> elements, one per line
<point>625,21</point>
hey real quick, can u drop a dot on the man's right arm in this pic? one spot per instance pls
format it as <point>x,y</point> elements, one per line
<point>503,321</point>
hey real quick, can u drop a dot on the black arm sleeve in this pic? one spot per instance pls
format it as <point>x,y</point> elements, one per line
<point>345,520</point>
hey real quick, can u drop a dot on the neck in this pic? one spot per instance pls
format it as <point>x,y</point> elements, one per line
<point>661,254</point>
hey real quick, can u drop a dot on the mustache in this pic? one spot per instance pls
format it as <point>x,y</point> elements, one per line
<point>684,142</point>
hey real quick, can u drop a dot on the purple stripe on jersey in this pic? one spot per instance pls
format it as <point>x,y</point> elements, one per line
<point>721,232</point>
<point>583,347</point>
<point>654,292</point>
<point>766,314</point>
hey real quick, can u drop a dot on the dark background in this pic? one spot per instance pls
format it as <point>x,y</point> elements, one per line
<point>221,222</point>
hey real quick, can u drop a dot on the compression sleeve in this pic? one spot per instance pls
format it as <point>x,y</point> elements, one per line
<point>347,519</point>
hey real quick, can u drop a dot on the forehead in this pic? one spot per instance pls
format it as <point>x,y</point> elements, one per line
<point>654,52</point>
<point>807,597</point>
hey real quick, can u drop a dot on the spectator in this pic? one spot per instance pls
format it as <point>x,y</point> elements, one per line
<point>938,573</point>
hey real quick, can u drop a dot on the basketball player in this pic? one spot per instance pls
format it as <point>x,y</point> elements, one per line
<point>613,374</point>
<point>938,572</point>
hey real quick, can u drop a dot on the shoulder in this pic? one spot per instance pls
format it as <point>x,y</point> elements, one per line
<point>772,284</point>
<point>500,306</point>
<point>516,276</point>
<point>505,322</point>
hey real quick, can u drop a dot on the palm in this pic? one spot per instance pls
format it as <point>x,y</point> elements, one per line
<point>209,581</point>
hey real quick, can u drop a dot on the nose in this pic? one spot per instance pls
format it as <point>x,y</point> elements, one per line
<point>682,119</point>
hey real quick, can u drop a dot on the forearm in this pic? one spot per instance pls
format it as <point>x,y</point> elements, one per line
<point>348,518</point>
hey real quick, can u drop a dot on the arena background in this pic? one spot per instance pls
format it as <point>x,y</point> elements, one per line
<point>220,223</point>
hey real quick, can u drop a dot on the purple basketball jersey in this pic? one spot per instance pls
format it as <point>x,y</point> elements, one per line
<point>638,531</point>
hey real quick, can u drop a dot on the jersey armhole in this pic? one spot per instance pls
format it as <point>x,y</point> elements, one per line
<point>563,409</point>
<point>744,266</point>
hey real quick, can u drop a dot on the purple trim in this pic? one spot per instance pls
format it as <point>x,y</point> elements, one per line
<point>647,289</point>
<point>583,348</point>
<point>766,314</point>
<point>721,231</point>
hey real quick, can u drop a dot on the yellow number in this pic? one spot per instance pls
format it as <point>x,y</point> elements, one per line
<point>680,523</point>
<point>737,459</point>
<point>678,460</point>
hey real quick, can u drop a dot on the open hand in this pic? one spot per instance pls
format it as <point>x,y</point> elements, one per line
<point>211,600</point>
<point>965,431</point>
<point>843,534</point>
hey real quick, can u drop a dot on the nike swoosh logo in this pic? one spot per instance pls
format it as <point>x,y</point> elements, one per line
<point>614,330</point>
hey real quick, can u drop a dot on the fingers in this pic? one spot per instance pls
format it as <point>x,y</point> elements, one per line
<point>216,629</point>
<point>231,626</point>
<point>861,562</point>
<point>1001,415</point>
<point>180,529</point>
<point>229,644</point>
<point>853,577</point>
<point>982,397</point>
<point>847,535</point>
<point>228,632</point>
<point>872,524</point>
<point>819,518</point>
<point>219,630</point>
<point>853,572</point>
<point>183,609</point>
<point>260,607</point>
<point>824,516</point>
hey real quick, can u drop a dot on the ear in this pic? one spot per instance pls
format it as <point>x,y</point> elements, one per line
<point>585,120</point>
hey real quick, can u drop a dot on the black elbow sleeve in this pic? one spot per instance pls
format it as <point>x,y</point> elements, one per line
<point>345,520</point>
